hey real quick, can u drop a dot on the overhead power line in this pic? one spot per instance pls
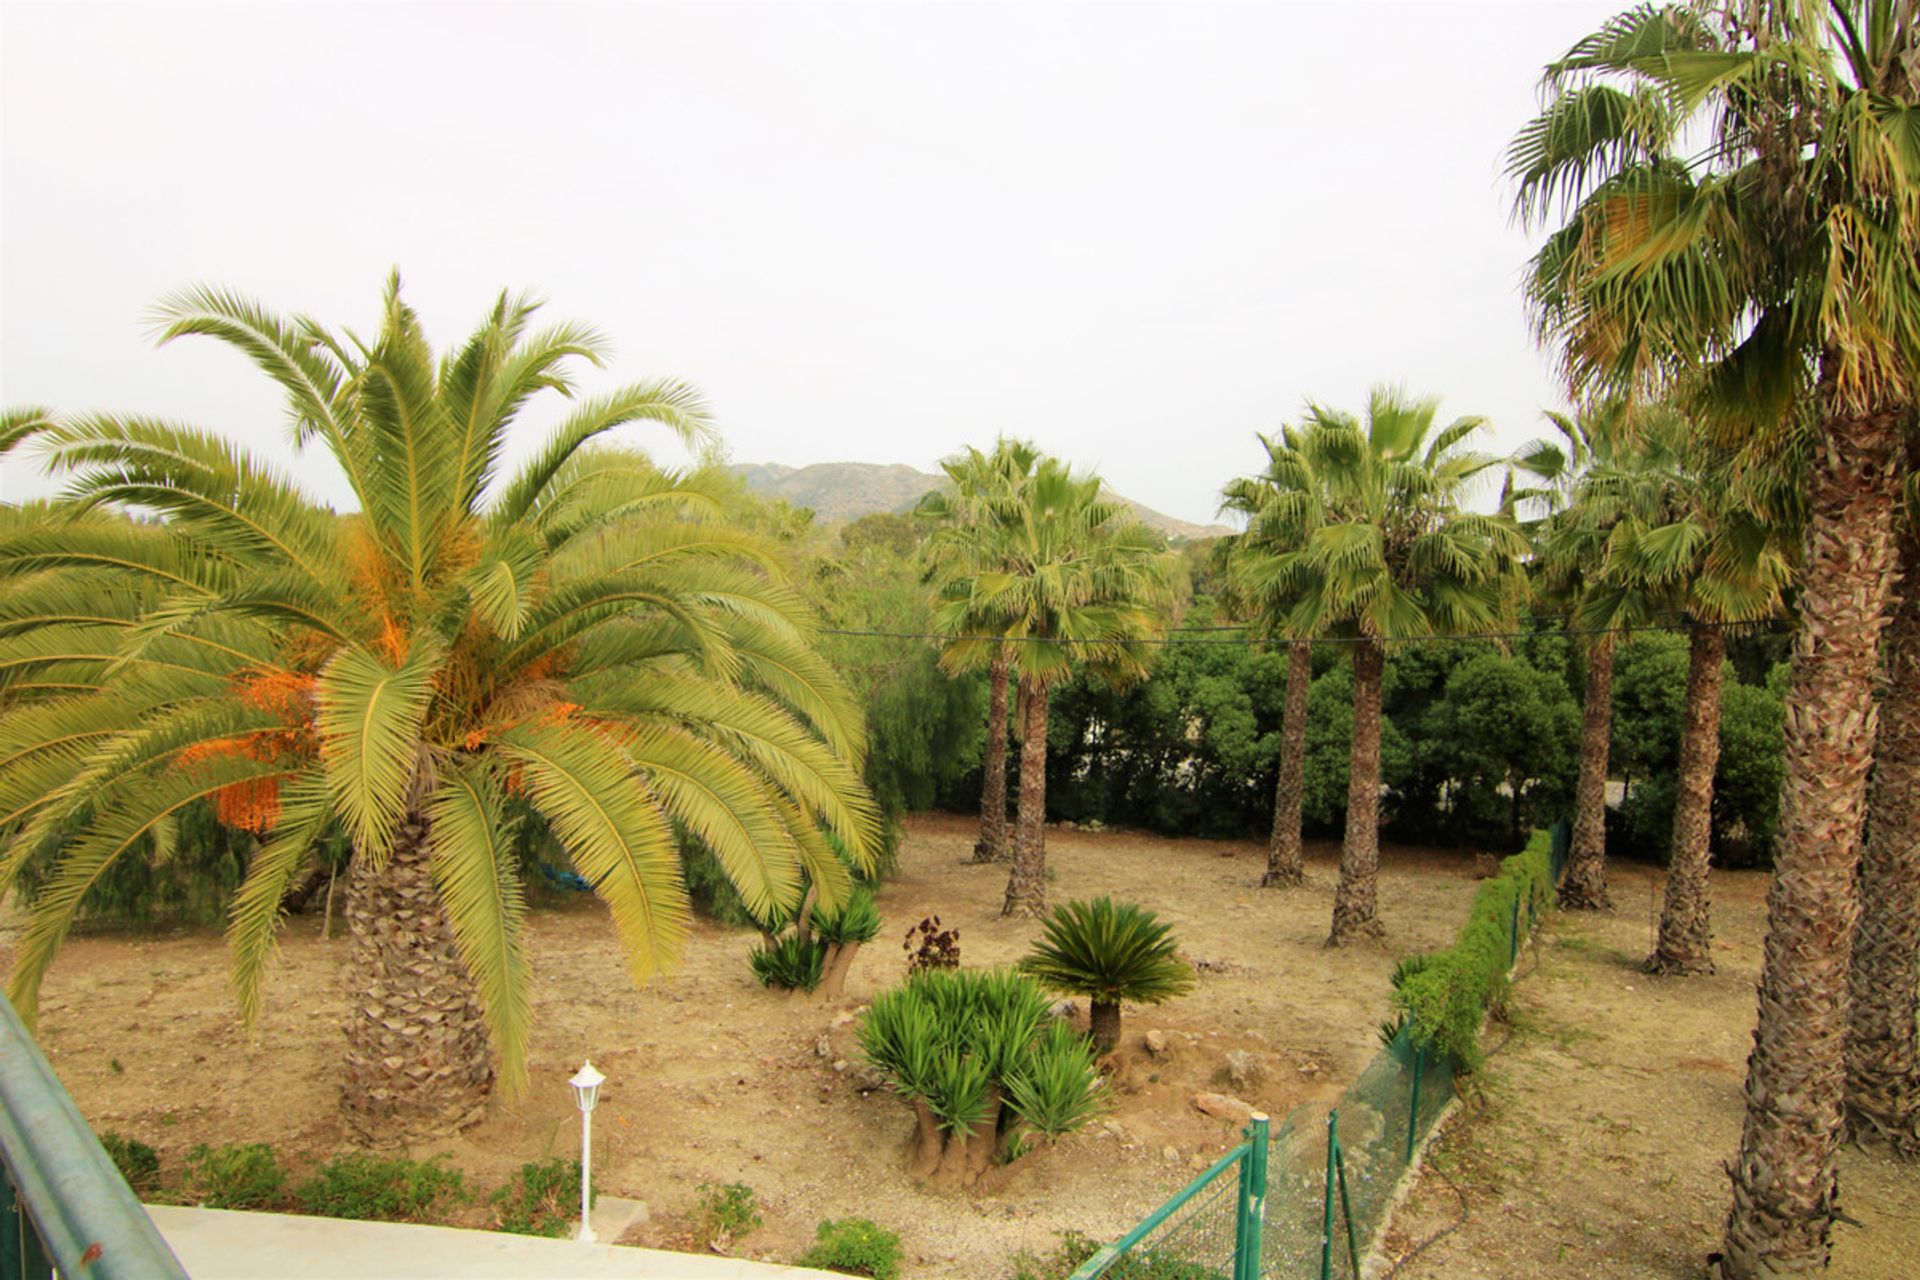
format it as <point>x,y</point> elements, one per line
<point>1183,636</point>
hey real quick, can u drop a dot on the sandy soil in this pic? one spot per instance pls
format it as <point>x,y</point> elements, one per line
<point>1597,1147</point>
<point>713,1080</point>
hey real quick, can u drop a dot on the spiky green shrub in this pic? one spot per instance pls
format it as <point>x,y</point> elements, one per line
<point>357,1185</point>
<point>1055,1088</point>
<point>1447,995</point>
<point>857,920</point>
<point>1108,952</point>
<point>790,962</point>
<point>855,1247</point>
<point>981,1062</point>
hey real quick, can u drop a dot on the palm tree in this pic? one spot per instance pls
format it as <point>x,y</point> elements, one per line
<point>1064,577</point>
<point>1390,552</point>
<point>1282,505</point>
<point>1774,266</point>
<point>977,481</point>
<point>579,633</point>
<point>1883,1030</point>
<point>1108,952</point>
<point>1683,535</point>
<point>1570,551</point>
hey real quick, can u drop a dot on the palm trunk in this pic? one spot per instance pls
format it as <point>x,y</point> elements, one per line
<point>1027,884</point>
<point>992,845</point>
<point>1286,864</point>
<point>1355,901</point>
<point>1686,924</point>
<point>418,1064</point>
<point>1584,887</point>
<point>1103,1024</point>
<point>1784,1188</point>
<point>1883,1057</point>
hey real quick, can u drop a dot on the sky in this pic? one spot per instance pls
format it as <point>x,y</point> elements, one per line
<point>1133,233</point>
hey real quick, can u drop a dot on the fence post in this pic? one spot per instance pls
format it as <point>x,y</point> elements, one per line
<point>1513,931</point>
<point>1326,1217</point>
<point>1413,1106</point>
<point>1253,1201</point>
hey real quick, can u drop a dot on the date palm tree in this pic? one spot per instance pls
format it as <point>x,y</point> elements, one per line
<point>1282,505</point>
<point>976,480</point>
<point>1392,553</point>
<point>579,632</point>
<point>1064,578</point>
<point>1683,536</point>
<point>1769,264</point>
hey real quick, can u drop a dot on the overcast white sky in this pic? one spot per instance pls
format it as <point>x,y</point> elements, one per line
<point>1135,233</point>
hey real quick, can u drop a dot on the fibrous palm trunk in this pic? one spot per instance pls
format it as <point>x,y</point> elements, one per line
<point>1103,1024</point>
<point>1286,865</point>
<point>1686,920</point>
<point>418,1064</point>
<point>1027,883</point>
<point>1584,886</point>
<point>992,845</point>
<point>1355,901</point>
<point>1883,1041</point>
<point>1784,1187</point>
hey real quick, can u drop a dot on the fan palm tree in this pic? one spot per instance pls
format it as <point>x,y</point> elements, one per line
<point>1883,1029</point>
<point>1389,552</point>
<point>579,632</point>
<point>1772,265</point>
<point>976,481</point>
<point>1683,536</point>
<point>1064,578</point>
<point>1282,505</point>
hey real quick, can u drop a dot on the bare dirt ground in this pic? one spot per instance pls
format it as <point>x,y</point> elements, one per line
<point>1597,1145</point>
<point>713,1080</point>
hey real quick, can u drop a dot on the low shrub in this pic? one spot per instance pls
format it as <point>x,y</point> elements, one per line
<point>137,1162</point>
<point>725,1212</point>
<point>790,962</point>
<point>855,1247</point>
<point>1075,1248</point>
<point>857,920</point>
<point>928,946</point>
<point>541,1199</point>
<point>1447,994</point>
<point>397,1190</point>
<point>241,1175</point>
<point>1056,1089</point>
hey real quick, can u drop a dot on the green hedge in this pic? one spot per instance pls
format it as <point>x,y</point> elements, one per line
<point>1445,995</point>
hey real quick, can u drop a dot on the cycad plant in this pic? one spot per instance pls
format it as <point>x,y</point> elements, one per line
<point>1108,952</point>
<point>581,632</point>
<point>1737,188</point>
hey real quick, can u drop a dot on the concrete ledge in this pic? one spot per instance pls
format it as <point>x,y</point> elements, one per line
<point>221,1244</point>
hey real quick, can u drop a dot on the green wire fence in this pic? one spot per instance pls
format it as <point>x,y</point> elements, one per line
<point>1309,1199</point>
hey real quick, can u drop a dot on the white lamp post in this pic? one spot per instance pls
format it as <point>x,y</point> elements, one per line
<point>586,1092</point>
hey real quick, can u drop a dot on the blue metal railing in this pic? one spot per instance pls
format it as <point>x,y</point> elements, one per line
<point>63,1203</point>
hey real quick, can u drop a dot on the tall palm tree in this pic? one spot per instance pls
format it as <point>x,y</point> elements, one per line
<point>1282,505</point>
<point>1684,536</point>
<point>1570,542</point>
<point>977,481</point>
<point>1392,553</point>
<point>1066,578</point>
<point>1883,1030</point>
<point>579,633</point>
<point>1773,264</point>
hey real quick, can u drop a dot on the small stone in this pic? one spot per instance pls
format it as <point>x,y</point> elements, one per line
<point>823,1047</point>
<point>841,1064</point>
<point>1170,1153</point>
<point>1243,1069</point>
<point>1156,1041</point>
<point>1309,1068</point>
<point>1064,1008</point>
<point>1221,1107</point>
<point>843,1019</point>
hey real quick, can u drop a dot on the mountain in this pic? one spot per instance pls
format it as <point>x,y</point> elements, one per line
<point>848,490</point>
